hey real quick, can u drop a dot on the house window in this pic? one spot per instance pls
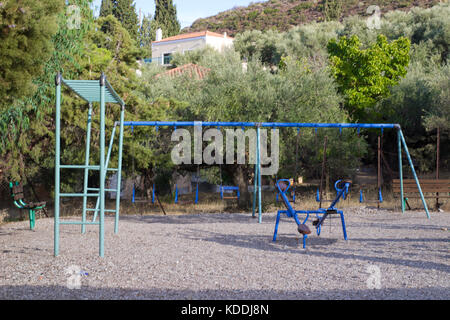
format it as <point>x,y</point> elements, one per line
<point>166,58</point>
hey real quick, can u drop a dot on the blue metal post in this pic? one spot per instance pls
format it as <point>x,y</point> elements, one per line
<point>400,170</point>
<point>259,173</point>
<point>414,174</point>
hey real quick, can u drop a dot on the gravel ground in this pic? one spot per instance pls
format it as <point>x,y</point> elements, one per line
<point>230,256</point>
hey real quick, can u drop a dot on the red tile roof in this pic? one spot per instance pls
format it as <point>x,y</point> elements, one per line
<point>190,69</point>
<point>193,35</point>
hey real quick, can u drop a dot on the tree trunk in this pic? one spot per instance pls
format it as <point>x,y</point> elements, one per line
<point>240,178</point>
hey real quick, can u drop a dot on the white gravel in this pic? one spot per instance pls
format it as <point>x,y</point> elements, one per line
<point>231,256</point>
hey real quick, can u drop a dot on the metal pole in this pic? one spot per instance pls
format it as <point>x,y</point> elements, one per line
<point>86,171</point>
<point>102,166</point>
<point>255,124</point>
<point>414,174</point>
<point>324,160</point>
<point>437,163</point>
<point>119,173</point>
<point>259,173</point>
<point>400,169</point>
<point>57,161</point>
<point>111,143</point>
<point>379,171</point>
<point>255,184</point>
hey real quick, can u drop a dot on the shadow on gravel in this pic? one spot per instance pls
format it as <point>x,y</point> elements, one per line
<point>318,246</point>
<point>91,293</point>
<point>192,219</point>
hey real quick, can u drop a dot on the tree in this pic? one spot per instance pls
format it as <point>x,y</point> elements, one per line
<point>364,76</point>
<point>107,8</point>
<point>26,125</point>
<point>125,12</point>
<point>146,35</point>
<point>26,30</point>
<point>228,93</point>
<point>166,18</point>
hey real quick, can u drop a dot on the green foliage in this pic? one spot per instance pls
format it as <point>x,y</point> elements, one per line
<point>26,125</point>
<point>125,12</point>
<point>116,39</point>
<point>332,9</point>
<point>364,76</point>
<point>26,30</point>
<point>229,93</point>
<point>107,8</point>
<point>166,18</point>
<point>146,35</point>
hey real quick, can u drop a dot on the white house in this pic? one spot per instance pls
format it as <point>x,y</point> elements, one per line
<point>162,49</point>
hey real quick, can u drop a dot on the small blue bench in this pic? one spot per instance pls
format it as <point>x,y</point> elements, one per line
<point>223,189</point>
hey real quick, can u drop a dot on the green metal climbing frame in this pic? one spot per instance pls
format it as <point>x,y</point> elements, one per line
<point>92,91</point>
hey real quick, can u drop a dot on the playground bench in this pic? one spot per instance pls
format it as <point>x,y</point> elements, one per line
<point>431,189</point>
<point>19,202</point>
<point>235,190</point>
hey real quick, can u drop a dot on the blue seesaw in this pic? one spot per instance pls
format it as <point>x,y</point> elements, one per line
<point>342,189</point>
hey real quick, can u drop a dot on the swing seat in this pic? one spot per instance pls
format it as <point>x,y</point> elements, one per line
<point>303,229</point>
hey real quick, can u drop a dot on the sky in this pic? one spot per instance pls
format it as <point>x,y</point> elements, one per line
<point>188,10</point>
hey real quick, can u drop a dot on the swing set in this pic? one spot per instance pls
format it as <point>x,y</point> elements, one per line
<point>93,91</point>
<point>181,196</point>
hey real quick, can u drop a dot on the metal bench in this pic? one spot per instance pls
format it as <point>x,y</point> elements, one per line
<point>224,189</point>
<point>19,202</point>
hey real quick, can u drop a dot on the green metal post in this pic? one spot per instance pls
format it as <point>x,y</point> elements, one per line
<point>108,157</point>
<point>57,161</point>
<point>86,171</point>
<point>255,185</point>
<point>400,170</point>
<point>32,219</point>
<point>102,166</point>
<point>414,174</point>
<point>259,173</point>
<point>119,172</point>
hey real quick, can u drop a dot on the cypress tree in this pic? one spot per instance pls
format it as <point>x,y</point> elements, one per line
<point>146,35</point>
<point>125,12</point>
<point>107,8</point>
<point>166,18</point>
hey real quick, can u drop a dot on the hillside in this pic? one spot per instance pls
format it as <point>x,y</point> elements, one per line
<point>284,14</point>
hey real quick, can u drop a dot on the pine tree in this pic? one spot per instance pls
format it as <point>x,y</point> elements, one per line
<point>166,18</point>
<point>26,29</point>
<point>107,8</point>
<point>125,12</point>
<point>146,35</point>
